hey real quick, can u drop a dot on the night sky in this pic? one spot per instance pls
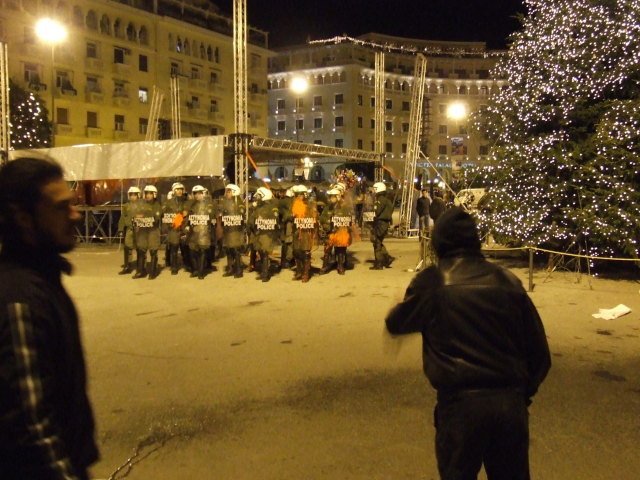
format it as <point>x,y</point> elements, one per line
<point>293,21</point>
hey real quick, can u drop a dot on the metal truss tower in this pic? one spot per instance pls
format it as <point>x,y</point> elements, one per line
<point>4,104</point>
<point>176,120</point>
<point>241,138</point>
<point>379,121</point>
<point>156,104</point>
<point>413,145</point>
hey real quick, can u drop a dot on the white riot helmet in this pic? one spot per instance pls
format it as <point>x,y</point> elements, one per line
<point>334,191</point>
<point>340,186</point>
<point>198,189</point>
<point>263,193</point>
<point>298,189</point>
<point>289,193</point>
<point>177,186</point>
<point>379,187</point>
<point>152,189</point>
<point>235,190</point>
<point>135,190</point>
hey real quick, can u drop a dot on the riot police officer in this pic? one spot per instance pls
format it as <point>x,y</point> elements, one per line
<point>381,224</point>
<point>173,213</point>
<point>125,227</point>
<point>341,221</point>
<point>325,229</point>
<point>232,216</point>
<point>201,217</point>
<point>286,229</point>
<point>305,222</point>
<point>146,230</point>
<point>263,224</point>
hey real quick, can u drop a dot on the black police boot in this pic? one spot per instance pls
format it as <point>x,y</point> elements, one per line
<point>252,261</point>
<point>326,261</point>
<point>193,256</point>
<point>140,270</point>
<point>306,268</point>
<point>237,264</point>
<point>186,258</point>
<point>126,268</point>
<point>284,263</point>
<point>342,261</point>
<point>202,256</point>
<point>388,260</point>
<point>154,265</point>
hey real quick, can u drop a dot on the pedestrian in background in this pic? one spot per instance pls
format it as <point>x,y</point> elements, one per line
<point>46,422</point>
<point>484,351</point>
<point>422,209</point>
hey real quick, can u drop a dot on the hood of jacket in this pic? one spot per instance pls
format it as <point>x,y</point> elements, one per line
<point>455,231</point>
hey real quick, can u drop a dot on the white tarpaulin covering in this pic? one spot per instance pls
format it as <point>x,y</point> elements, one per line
<point>162,158</point>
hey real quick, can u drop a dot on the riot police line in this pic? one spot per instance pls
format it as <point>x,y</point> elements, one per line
<point>196,230</point>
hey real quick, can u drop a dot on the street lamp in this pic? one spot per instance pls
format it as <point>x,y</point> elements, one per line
<point>51,32</point>
<point>299,85</point>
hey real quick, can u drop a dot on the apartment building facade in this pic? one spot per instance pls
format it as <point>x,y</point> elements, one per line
<point>338,106</point>
<point>100,81</point>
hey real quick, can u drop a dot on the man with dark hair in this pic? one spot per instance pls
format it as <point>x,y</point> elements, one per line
<point>422,209</point>
<point>484,351</point>
<point>46,422</point>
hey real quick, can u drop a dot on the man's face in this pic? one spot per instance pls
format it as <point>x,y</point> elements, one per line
<point>56,217</point>
<point>198,196</point>
<point>178,192</point>
<point>148,196</point>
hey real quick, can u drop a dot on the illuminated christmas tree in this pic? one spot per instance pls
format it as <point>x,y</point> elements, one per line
<point>566,129</point>
<point>28,120</point>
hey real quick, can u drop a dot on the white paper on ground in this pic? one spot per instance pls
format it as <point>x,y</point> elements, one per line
<point>612,313</point>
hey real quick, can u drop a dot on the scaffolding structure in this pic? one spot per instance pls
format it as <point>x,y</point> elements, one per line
<point>379,121</point>
<point>240,139</point>
<point>4,104</point>
<point>157,97</point>
<point>413,145</point>
<point>176,116</point>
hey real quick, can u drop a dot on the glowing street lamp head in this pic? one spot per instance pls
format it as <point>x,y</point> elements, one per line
<point>299,84</point>
<point>457,111</point>
<point>51,31</point>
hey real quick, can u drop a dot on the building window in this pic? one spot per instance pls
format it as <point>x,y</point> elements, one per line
<point>92,50</point>
<point>373,146</point>
<point>388,104</point>
<point>143,63</point>
<point>92,119</point>
<point>118,55</point>
<point>405,106</point>
<point>119,89</point>
<point>388,126</point>
<point>299,103</point>
<point>317,100</point>
<point>339,99</point>
<point>143,125</point>
<point>281,104</point>
<point>442,149</point>
<point>317,122</point>
<point>388,147</point>
<point>195,73</point>
<point>462,129</point>
<point>372,123</point>
<point>484,90</point>
<point>404,148</point>
<point>359,122</point>
<point>213,77</point>
<point>213,106</point>
<point>442,129</point>
<point>281,125</point>
<point>299,124</point>
<point>31,75</point>
<point>405,127</point>
<point>442,109</point>
<point>339,143</point>
<point>118,123</point>
<point>175,69</point>
<point>62,116</point>
<point>373,101</point>
<point>143,94</point>
<point>359,100</point>
<point>195,102</point>
<point>339,122</point>
<point>93,84</point>
<point>317,142</point>
<point>360,144</point>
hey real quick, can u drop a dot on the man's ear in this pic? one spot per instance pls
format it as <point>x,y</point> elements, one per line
<point>24,222</point>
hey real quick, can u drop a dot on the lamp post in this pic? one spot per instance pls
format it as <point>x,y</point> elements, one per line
<point>51,32</point>
<point>457,111</point>
<point>299,85</point>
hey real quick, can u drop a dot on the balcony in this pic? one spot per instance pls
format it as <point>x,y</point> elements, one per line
<point>63,129</point>
<point>121,68</point>
<point>121,97</point>
<point>120,134</point>
<point>94,97</point>
<point>93,132</point>
<point>66,91</point>
<point>93,63</point>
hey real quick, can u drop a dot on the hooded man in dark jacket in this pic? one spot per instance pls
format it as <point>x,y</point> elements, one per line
<point>484,351</point>
<point>46,422</point>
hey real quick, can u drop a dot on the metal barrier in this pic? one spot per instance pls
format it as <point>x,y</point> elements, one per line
<point>99,223</point>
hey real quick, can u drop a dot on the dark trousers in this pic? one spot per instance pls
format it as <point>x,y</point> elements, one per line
<point>487,427</point>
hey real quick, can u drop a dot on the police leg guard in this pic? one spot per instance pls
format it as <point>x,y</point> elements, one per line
<point>326,260</point>
<point>252,260</point>
<point>202,257</point>
<point>284,263</point>
<point>265,275</point>
<point>140,261</point>
<point>173,259</point>
<point>237,263</point>
<point>341,258</point>
<point>306,267</point>
<point>126,267</point>
<point>186,257</point>
<point>299,264</point>
<point>228,271</point>
<point>193,256</point>
<point>154,265</point>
